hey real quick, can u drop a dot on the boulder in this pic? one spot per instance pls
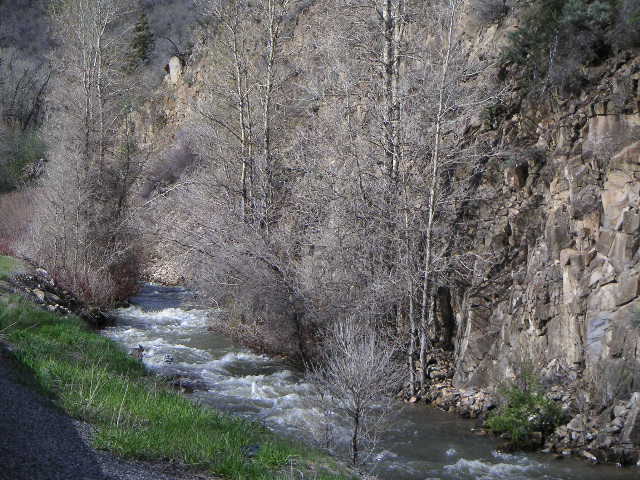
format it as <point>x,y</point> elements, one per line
<point>174,68</point>
<point>577,423</point>
<point>39,294</point>
<point>589,456</point>
<point>620,411</point>
<point>631,431</point>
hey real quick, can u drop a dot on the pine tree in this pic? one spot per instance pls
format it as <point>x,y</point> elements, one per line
<point>142,43</point>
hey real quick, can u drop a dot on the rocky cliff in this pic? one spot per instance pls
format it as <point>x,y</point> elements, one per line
<point>566,223</point>
<point>563,296</point>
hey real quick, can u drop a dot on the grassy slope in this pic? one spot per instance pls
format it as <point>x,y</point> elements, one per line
<point>136,416</point>
<point>9,265</point>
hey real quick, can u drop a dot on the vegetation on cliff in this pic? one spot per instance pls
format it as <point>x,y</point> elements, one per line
<point>558,38</point>
<point>527,415</point>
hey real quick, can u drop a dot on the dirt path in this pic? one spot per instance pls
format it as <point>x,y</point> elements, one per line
<point>38,442</point>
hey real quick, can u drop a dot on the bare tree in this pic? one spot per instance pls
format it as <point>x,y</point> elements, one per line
<point>334,182</point>
<point>449,68</point>
<point>355,378</point>
<point>79,231</point>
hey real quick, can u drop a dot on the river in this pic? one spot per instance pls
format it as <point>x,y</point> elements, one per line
<point>422,443</point>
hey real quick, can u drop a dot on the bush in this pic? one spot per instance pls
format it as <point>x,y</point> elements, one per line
<point>557,38</point>
<point>491,11</point>
<point>20,154</point>
<point>17,210</point>
<point>525,410</point>
<point>626,29</point>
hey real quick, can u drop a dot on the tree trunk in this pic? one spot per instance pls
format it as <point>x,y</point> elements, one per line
<point>273,37</point>
<point>428,283</point>
<point>354,439</point>
<point>240,81</point>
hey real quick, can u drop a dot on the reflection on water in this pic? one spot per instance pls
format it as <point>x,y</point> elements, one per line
<point>422,443</point>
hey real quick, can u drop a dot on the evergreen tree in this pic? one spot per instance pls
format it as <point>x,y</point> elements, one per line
<point>142,43</point>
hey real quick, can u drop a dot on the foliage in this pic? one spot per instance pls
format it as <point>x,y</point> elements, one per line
<point>142,43</point>
<point>493,114</point>
<point>526,409</point>
<point>136,416</point>
<point>557,38</point>
<point>21,153</point>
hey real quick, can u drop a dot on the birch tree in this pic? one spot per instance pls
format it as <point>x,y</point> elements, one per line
<point>451,71</point>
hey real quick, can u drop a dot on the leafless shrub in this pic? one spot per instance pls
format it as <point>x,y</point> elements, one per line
<point>16,210</point>
<point>24,85</point>
<point>355,379</point>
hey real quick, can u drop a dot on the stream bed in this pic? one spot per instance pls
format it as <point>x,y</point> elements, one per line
<point>422,443</point>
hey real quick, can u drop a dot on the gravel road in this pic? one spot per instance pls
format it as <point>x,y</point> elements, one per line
<point>38,442</point>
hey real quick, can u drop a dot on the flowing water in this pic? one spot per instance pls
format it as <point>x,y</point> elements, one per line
<point>422,443</point>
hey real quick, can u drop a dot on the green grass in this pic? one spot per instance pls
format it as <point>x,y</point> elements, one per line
<point>9,265</point>
<point>136,415</point>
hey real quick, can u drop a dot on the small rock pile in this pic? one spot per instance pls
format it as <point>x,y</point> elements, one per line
<point>39,287</point>
<point>466,403</point>
<point>564,396</point>
<point>610,437</point>
<point>441,393</point>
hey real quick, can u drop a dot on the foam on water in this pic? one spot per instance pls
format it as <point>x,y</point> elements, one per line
<point>168,316</point>
<point>511,467</point>
<point>242,357</point>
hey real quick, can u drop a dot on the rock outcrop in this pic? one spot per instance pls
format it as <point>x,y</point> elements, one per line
<point>564,295</point>
<point>39,287</point>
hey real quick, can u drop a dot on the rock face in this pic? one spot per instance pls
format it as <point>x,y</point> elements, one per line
<point>565,292</point>
<point>564,295</point>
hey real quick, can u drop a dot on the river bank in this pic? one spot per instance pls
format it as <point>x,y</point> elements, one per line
<point>132,413</point>
<point>608,436</point>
